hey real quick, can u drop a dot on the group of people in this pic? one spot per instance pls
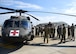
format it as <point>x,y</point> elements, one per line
<point>61,33</point>
<point>49,32</point>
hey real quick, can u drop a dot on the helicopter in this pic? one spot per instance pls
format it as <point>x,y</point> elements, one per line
<point>19,28</point>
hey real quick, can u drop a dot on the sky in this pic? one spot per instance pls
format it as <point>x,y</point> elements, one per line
<point>58,6</point>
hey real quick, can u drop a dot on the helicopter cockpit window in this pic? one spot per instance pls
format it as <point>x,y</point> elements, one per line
<point>8,23</point>
<point>24,24</point>
<point>16,24</point>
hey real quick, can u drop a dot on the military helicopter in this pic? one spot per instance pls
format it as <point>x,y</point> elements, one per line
<point>19,28</point>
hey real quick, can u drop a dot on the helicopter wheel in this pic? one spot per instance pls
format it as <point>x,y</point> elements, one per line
<point>25,42</point>
<point>32,37</point>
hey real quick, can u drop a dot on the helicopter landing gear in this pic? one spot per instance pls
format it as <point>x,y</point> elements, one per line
<point>25,42</point>
<point>32,37</point>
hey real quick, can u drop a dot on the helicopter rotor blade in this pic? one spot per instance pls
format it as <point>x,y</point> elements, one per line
<point>54,13</point>
<point>33,17</point>
<point>7,12</point>
<point>7,8</point>
<point>23,11</point>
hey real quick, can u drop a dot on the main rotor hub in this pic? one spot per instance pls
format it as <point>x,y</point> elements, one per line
<point>21,11</point>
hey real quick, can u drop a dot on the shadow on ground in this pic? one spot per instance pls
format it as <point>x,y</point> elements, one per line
<point>7,48</point>
<point>53,45</point>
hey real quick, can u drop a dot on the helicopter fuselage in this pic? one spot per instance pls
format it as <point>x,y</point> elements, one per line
<point>17,29</point>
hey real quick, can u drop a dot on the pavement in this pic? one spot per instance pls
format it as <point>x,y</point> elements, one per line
<point>37,46</point>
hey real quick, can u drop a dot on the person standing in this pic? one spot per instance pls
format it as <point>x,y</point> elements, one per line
<point>36,31</point>
<point>53,32</point>
<point>46,33</point>
<point>63,34</point>
<point>58,30</point>
<point>50,27</point>
<point>51,36</point>
<point>41,31</point>
<point>69,32</point>
<point>72,32</point>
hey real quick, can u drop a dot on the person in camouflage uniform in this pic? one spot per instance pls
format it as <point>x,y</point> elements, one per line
<point>46,30</point>
<point>63,34</point>
<point>53,32</point>
<point>59,31</point>
<point>69,32</point>
<point>72,32</point>
<point>49,27</point>
<point>51,36</point>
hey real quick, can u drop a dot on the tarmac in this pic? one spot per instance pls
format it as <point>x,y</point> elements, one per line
<point>37,46</point>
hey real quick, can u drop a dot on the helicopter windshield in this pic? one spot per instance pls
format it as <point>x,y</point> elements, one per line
<point>8,23</point>
<point>24,24</point>
<point>16,24</point>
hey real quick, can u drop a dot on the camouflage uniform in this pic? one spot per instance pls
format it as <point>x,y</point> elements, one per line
<point>63,34</point>
<point>53,32</point>
<point>59,32</point>
<point>69,32</point>
<point>46,30</point>
<point>72,32</point>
